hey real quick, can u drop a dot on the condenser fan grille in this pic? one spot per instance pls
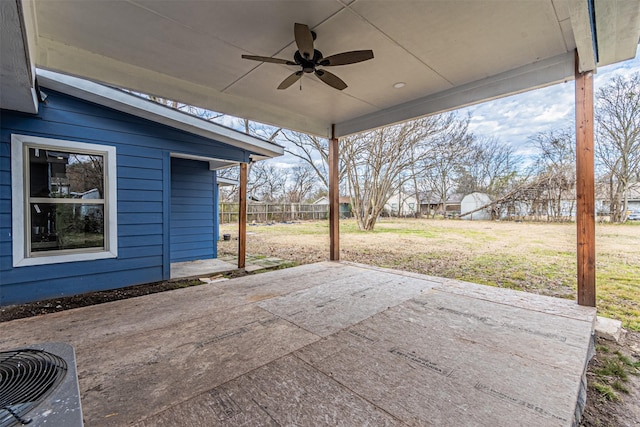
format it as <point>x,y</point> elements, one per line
<point>26,378</point>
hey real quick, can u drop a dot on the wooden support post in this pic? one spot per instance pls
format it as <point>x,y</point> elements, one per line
<point>334,200</point>
<point>242,217</point>
<point>585,189</point>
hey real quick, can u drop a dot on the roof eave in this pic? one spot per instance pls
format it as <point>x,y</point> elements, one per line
<point>17,83</point>
<point>131,104</point>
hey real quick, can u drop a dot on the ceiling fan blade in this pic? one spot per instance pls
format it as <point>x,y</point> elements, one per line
<point>331,79</point>
<point>290,80</point>
<point>304,40</point>
<point>268,59</point>
<point>345,58</point>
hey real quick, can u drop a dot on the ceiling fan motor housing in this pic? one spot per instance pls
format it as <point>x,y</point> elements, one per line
<point>308,65</point>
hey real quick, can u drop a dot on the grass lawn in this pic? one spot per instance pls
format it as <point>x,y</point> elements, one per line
<point>533,257</point>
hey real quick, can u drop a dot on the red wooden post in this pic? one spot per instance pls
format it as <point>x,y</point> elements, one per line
<point>585,189</point>
<point>242,217</point>
<point>334,205</point>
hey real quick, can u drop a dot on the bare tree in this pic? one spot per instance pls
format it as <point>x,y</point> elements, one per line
<point>302,182</point>
<point>491,167</point>
<point>618,139</point>
<point>259,176</point>
<point>260,130</point>
<point>268,182</point>
<point>228,193</point>
<point>265,183</point>
<point>189,109</point>
<point>381,161</point>
<point>449,149</point>
<point>86,172</point>
<point>555,172</point>
<point>315,152</point>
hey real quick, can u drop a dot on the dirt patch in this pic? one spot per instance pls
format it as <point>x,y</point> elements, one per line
<point>607,371</point>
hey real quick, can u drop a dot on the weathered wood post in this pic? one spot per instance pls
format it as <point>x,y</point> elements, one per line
<point>242,217</point>
<point>585,188</point>
<point>334,194</point>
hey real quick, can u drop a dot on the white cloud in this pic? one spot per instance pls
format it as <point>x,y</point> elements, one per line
<point>515,119</point>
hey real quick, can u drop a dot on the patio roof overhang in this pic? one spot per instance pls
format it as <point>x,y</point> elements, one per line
<point>448,53</point>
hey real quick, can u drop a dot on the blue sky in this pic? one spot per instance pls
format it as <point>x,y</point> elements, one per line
<point>515,119</point>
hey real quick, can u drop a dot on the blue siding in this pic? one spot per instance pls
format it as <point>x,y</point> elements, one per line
<point>145,233</point>
<point>192,211</point>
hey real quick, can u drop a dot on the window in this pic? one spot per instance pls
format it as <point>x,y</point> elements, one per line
<point>64,201</point>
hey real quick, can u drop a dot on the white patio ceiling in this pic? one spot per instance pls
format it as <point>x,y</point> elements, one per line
<point>449,53</point>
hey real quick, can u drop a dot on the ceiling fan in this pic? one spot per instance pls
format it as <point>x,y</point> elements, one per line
<point>309,59</point>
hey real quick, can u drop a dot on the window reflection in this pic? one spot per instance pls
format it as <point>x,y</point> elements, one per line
<point>66,226</point>
<point>66,200</point>
<point>59,174</point>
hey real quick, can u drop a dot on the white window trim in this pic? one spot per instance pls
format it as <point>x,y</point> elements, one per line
<point>18,178</point>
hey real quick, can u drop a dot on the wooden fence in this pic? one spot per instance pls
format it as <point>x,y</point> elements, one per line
<point>278,212</point>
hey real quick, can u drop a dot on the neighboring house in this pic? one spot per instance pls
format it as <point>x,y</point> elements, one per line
<point>345,205</point>
<point>101,189</point>
<point>472,202</point>
<point>431,204</point>
<point>633,198</point>
<point>401,204</point>
<point>603,203</point>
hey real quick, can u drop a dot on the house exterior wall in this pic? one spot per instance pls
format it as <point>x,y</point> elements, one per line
<point>143,150</point>
<point>194,228</point>
<point>401,204</point>
<point>634,205</point>
<point>345,206</point>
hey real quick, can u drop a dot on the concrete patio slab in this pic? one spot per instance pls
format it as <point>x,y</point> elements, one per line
<point>330,307</point>
<point>325,344</point>
<point>285,392</point>
<point>480,370</point>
